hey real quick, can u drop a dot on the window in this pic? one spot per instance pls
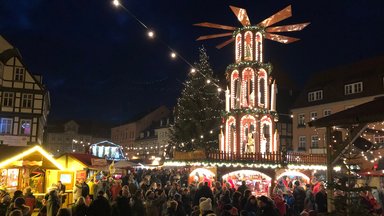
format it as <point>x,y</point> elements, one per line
<point>315,95</point>
<point>302,143</point>
<point>25,127</point>
<point>6,125</point>
<point>353,88</point>
<point>27,101</point>
<point>327,112</point>
<point>8,99</point>
<point>313,116</point>
<point>301,119</point>
<point>379,139</point>
<point>314,141</point>
<point>19,74</point>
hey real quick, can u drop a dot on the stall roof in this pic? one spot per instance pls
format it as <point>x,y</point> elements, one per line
<point>365,113</point>
<point>28,155</point>
<point>88,160</point>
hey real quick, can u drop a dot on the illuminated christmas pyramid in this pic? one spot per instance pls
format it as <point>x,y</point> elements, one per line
<point>250,111</point>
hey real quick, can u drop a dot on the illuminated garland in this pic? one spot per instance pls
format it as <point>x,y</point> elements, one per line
<point>254,64</point>
<point>173,163</point>
<point>253,111</point>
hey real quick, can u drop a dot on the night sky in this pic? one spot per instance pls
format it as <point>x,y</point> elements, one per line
<point>98,63</point>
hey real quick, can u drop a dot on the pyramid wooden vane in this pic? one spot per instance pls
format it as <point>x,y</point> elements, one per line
<point>243,18</point>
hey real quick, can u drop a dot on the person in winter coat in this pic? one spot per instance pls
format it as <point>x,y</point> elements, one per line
<point>19,204</point>
<point>321,200</point>
<point>266,207</point>
<point>53,203</point>
<point>299,195</point>
<point>100,206</point>
<point>138,208</point>
<point>80,208</point>
<point>251,205</point>
<point>309,202</point>
<point>153,204</point>
<point>280,202</point>
<point>77,191</point>
<point>122,207</point>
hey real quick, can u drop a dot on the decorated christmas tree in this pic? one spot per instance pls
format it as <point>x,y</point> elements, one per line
<point>197,122</point>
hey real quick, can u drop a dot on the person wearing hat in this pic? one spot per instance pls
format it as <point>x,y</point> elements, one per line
<point>205,206</point>
<point>19,204</point>
<point>266,207</point>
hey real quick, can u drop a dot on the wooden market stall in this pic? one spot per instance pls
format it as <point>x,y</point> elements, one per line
<point>22,166</point>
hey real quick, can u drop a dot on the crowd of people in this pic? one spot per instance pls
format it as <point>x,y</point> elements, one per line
<point>166,192</point>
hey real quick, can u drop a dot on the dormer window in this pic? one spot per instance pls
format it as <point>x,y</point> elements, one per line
<point>353,88</point>
<point>315,95</point>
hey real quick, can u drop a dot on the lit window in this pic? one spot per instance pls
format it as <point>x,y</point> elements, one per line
<point>353,88</point>
<point>19,74</point>
<point>379,139</point>
<point>27,101</point>
<point>314,141</point>
<point>313,116</point>
<point>327,112</point>
<point>6,125</point>
<point>302,142</point>
<point>8,99</point>
<point>315,95</point>
<point>25,127</point>
<point>301,119</point>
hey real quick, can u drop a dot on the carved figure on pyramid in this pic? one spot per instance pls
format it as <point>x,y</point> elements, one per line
<point>250,144</point>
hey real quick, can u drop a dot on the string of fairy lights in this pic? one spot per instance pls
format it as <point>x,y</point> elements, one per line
<point>174,54</point>
<point>151,34</point>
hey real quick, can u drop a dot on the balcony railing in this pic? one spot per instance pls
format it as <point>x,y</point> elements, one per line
<point>269,157</point>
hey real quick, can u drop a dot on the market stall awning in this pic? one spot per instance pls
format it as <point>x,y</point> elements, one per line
<point>87,160</point>
<point>25,156</point>
<point>365,113</point>
<point>125,164</point>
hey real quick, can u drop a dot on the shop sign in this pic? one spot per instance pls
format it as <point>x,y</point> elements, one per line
<point>81,175</point>
<point>98,162</point>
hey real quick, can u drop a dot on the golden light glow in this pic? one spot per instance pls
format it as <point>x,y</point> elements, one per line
<point>193,70</point>
<point>173,55</point>
<point>116,3</point>
<point>293,173</point>
<point>151,34</point>
<point>28,152</point>
<point>204,171</point>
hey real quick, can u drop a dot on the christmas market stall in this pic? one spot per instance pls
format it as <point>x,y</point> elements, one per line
<point>22,166</point>
<point>79,167</point>
<point>202,174</point>
<point>258,182</point>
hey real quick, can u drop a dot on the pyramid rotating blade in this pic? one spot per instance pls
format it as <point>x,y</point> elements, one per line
<point>277,17</point>
<point>206,37</point>
<point>225,43</point>
<point>287,28</point>
<point>241,15</point>
<point>214,25</point>
<point>280,38</point>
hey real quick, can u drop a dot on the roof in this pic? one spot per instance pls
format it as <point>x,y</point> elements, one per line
<point>365,113</point>
<point>141,115</point>
<point>86,159</point>
<point>29,155</point>
<point>86,127</point>
<point>332,82</point>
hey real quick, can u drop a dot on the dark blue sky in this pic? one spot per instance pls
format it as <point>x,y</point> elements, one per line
<point>97,62</point>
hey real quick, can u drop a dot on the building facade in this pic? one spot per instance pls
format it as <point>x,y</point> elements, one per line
<point>127,133</point>
<point>25,101</point>
<point>70,136</point>
<point>154,140</point>
<point>331,92</point>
